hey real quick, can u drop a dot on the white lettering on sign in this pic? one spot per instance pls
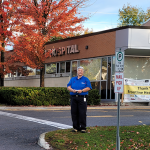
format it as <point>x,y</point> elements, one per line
<point>64,50</point>
<point>119,82</point>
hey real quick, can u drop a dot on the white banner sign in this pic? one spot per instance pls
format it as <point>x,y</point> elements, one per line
<point>136,90</point>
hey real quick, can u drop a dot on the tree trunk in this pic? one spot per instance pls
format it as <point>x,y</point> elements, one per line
<point>1,75</point>
<point>42,72</point>
<point>2,52</point>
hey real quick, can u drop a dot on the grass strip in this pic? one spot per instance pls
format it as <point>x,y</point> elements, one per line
<point>101,138</point>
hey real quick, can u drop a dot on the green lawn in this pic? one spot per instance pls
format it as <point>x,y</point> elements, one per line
<point>101,138</point>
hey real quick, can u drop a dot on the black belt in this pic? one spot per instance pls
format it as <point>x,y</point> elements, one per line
<point>78,95</point>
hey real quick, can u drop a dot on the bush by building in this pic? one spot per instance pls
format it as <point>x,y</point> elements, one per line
<point>39,96</point>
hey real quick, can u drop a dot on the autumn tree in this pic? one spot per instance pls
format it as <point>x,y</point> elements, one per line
<point>131,15</point>
<point>39,21</point>
<point>5,34</point>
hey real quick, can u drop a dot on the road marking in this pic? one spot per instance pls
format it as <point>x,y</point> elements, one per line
<point>101,116</point>
<point>126,115</point>
<point>142,123</point>
<point>40,121</point>
<point>141,110</point>
<point>98,116</point>
<point>112,116</point>
<point>97,111</point>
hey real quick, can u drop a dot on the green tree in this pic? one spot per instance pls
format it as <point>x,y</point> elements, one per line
<point>72,34</point>
<point>131,15</point>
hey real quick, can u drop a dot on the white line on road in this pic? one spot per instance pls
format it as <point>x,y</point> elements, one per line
<point>40,121</point>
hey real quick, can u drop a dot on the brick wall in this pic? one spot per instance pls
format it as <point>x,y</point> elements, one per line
<point>98,45</point>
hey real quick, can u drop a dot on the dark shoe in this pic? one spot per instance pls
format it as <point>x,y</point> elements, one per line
<point>74,130</point>
<point>83,131</point>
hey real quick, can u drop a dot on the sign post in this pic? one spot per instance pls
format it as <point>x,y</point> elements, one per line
<point>119,82</point>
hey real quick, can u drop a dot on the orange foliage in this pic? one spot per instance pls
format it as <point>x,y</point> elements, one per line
<point>39,21</point>
<point>6,15</point>
<point>29,24</point>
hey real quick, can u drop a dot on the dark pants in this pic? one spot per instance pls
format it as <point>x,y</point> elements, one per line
<point>78,112</point>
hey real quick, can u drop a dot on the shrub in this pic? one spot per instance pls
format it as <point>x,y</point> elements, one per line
<point>41,96</point>
<point>94,97</point>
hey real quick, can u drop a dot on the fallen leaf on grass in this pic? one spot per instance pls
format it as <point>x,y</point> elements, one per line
<point>102,135</point>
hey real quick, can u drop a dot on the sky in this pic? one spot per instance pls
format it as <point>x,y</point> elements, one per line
<point>104,14</point>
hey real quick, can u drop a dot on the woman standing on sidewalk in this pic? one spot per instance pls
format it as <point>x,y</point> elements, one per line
<point>79,87</point>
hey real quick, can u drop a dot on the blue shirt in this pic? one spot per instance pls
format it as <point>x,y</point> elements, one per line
<point>79,84</point>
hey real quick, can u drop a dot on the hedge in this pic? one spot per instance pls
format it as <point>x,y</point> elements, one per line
<point>39,96</point>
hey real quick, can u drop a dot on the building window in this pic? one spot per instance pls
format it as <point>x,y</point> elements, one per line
<point>109,78</point>
<point>104,69</point>
<point>67,66</point>
<point>14,74</point>
<point>96,85</point>
<point>8,75</point>
<point>19,72</point>
<point>32,71</point>
<point>74,68</point>
<point>91,68</point>
<point>112,90</point>
<point>62,67</point>
<point>51,68</point>
<point>58,68</point>
<point>37,71</point>
<point>103,89</point>
<point>137,67</point>
<point>113,68</point>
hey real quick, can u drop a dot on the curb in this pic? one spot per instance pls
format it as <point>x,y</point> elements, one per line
<point>42,143</point>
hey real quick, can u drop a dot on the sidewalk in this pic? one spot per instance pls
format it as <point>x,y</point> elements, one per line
<point>14,108</point>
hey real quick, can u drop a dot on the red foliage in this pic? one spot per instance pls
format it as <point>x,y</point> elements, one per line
<point>35,22</point>
<point>6,16</point>
<point>38,22</point>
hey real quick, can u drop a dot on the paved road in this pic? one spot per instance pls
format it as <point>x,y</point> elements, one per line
<point>20,128</point>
